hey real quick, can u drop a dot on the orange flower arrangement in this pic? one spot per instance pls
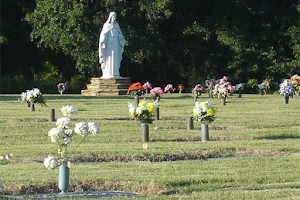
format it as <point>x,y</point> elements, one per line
<point>136,89</point>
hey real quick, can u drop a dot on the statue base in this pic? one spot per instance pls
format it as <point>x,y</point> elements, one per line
<point>107,87</point>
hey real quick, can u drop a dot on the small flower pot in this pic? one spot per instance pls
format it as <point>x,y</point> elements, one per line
<point>204,132</point>
<point>63,178</point>
<point>190,124</point>
<point>145,133</point>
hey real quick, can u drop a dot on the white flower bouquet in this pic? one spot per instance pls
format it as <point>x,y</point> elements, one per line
<point>33,96</point>
<point>63,136</point>
<point>144,111</point>
<point>204,112</point>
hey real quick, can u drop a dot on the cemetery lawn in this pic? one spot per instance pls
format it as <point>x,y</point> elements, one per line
<point>253,152</point>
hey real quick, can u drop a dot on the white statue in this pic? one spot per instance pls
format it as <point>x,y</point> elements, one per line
<point>111,47</point>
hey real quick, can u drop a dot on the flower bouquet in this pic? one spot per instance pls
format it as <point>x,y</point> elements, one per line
<point>264,87</point>
<point>169,88</point>
<point>144,112</point>
<point>147,86</point>
<point>210,84</point>
<point>62,87</point>
<point>135,89</point>
<point>33,96</point>
<point>239,87</point>
<point>198,89</point>
<point>180,88</point>
<point>63,136</point>
<point>286,89</point>
<point>296,82</point>
<point>224,88</point>
<point>156,93</point>
<point>204,112</point>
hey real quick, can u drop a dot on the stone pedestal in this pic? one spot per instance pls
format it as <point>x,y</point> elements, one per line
<point>107,87</point>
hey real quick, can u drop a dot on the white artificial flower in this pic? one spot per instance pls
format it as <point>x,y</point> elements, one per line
<point>69,132</point>
<point>55,134</point>
<point>51,162</point>
<point>35,92</point>
<point>64,122</point>
<point>81,128</point>
<point>68,111</point>
<point>67,139</point>
<point>131,108</point>
<point>155,103</point>
<point>93,128</point>
<point>1,157</point>
<point>7,157</point>
<point>140,109</point>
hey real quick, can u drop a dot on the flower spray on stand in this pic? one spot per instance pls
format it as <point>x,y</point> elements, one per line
<point>286,90</point>
<point>144,113</point>
<point>205,113</point>
<point>63,136</point>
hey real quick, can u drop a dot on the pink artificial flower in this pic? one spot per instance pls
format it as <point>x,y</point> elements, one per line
<point>225,78</point>
<point>225,92</point>
<point>222,81</point>
<point>222,86</point>
<point>7,157</point>
<point>147,85</point>
<point>215,91</point>
<point>157,90</point>
<point>233,88</point>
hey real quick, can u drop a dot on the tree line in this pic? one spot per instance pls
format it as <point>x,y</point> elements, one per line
<point>170,41</point>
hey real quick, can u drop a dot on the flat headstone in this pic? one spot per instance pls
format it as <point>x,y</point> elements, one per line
<point>73,195</point>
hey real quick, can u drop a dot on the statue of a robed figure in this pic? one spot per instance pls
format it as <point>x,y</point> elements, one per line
<point>111,47</point>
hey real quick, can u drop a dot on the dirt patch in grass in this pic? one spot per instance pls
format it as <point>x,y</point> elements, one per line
<point>126,186</point>
<point>171,156</point>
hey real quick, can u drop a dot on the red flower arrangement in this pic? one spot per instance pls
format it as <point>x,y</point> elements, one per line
<point>136,89</point>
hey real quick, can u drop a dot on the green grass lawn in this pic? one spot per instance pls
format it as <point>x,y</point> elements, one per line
<point>259,133</point>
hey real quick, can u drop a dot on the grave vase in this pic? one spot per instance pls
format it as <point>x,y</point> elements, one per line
<point>136,98</point>
<point>223,101</point>
<point>63,178</point>
<point>286,100</point>
<point>204,132</point>
<point>145,132</point>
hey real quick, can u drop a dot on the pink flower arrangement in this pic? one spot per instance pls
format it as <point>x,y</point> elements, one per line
<point>156,93</point>
<point>223,88</point>
<point>210,84</point>
<point>169,88</point>
<point>198,89</point>
<point>147,85</point>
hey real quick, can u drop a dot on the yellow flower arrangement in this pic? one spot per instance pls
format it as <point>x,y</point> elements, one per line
<point>144,111</point>
<point>204,112</point>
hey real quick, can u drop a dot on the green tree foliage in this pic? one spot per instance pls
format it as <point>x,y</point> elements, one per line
<point>171,41</point>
